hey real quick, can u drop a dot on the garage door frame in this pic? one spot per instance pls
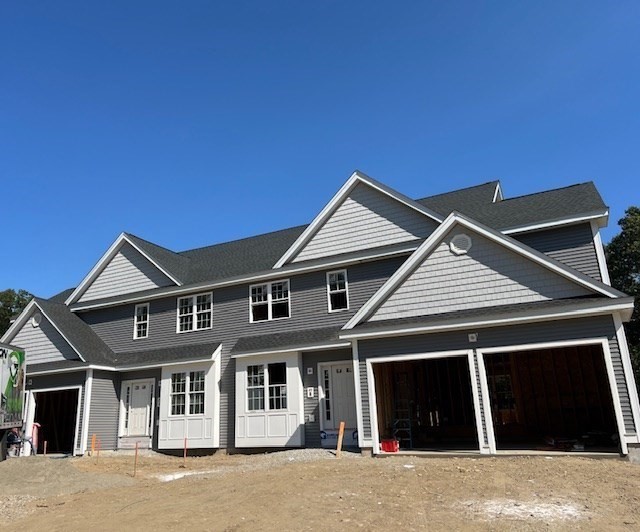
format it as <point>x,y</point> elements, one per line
<point>31,410</point>
<point>371,384</point>
<point>603,342</point>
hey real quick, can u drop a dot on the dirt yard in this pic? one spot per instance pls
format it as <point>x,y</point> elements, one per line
<point>312,490</point>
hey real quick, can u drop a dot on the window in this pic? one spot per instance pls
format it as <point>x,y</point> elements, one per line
<point>337,290</point>
<point>269,301</point>
<point>195,312</point>
<point>141,321</point>
<point>183,402</point>
<point>274,379</point>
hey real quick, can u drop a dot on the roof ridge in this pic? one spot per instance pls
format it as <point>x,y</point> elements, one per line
<point>495,181</point>
<point>547,191</point>
<point>149,242</point>
<point>242,239</point>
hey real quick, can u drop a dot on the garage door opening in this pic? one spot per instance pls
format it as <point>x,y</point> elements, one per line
<point>56,412</point>
<point>552,400</point>
<point>426,404</point>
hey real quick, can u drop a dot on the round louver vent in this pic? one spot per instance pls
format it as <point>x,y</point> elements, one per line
<point>460,244</point>
<point>36,319</point>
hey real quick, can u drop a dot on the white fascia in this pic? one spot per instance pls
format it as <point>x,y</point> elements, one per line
<point>434,239</point>
<point>497,195</point>
<point>355,179</point>
<point>600,217</point>
<point>104,261</point>
<point>626,308</point>
<point>274,351</point>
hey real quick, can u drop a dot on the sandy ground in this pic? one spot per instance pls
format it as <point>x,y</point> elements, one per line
<point>312,490</point>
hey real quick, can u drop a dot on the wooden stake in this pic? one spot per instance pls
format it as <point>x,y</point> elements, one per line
<point>135,461</point>
<point>98,455</point>
<point>93,444</point>
<point>45,447</point>
<point>184,458</point>
<point>340,436</point>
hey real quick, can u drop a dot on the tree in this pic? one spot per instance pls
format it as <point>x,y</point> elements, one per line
<point>11,304</point>
<point>623,259</point>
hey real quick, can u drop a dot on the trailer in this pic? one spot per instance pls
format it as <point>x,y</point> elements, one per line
<point>12,385</point>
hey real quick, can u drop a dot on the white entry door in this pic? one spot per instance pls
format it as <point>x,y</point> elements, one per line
<point>138,397</point>
<point>339,396</point>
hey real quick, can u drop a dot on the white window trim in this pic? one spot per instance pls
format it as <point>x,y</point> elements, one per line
<point>346,290</point>
<point>152,406</point>
<point>266,387</point>
<point>135,321</point>
<point>269,285</point>
<point>194,310</point>
<point>187,392</point>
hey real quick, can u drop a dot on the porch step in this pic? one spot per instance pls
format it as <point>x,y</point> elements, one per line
<point>129,442</point>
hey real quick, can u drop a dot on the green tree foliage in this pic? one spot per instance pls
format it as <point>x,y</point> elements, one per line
<point>11,304</point>
<point>623,259</point>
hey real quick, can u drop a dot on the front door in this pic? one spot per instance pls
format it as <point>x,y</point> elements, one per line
<point>137,404</point>
<point>339,396</point>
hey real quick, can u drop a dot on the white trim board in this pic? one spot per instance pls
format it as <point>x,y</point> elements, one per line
<point>277,350</point>
<point>266,276</point>
<point>373,409</point>
<point>603,342</point>
<point>456,219</point>
<point>602,261</point>
<point>399,330</point>
<point>355,179</point>
<point>77,387</point>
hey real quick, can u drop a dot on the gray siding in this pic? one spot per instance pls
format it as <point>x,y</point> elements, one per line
<point>312,405</point>
<point>488,275</point>
<point>43,343</point>
<point>127,272</point>
<point>231,321</point>
<point>495,337</point>
<point>105,409</point>
<point>366,219</point>
<point>572,245</point>
<point>63,380</point>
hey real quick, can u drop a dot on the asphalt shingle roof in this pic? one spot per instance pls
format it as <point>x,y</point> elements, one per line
<point>287,340</point>
<point>77,332</point>
<point>258,254</point>
<point>548,206</point>
<point>164,355</point>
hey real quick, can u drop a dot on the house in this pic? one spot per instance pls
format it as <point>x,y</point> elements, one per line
<point>461,321</point>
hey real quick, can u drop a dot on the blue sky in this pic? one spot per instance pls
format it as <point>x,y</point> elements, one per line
<point>191,123</point>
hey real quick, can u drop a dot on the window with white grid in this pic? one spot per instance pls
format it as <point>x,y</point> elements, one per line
<point>195,313</point>
<point>269,301</point>
<point>337,290</point>
<point>141,321</point>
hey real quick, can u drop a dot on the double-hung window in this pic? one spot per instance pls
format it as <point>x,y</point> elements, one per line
<point>269,301</point>
<point>337,290</point>
<point>187,393</point>
<point>269,381</point>
<point>141,321</point>
<point>195,312</point>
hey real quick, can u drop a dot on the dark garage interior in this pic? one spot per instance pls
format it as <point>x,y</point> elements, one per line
<point>426,404</point>
<point>552,400</point>
<point>56,411</point>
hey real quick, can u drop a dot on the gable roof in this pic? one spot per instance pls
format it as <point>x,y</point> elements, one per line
<point>80,336</point>
<point>337,200</point>
<point>257,255</point>
<point>151,252</point>
<point>396,280</point>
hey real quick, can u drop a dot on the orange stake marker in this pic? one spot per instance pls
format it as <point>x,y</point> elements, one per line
<point>93,443</point>
<point>340,436</point>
